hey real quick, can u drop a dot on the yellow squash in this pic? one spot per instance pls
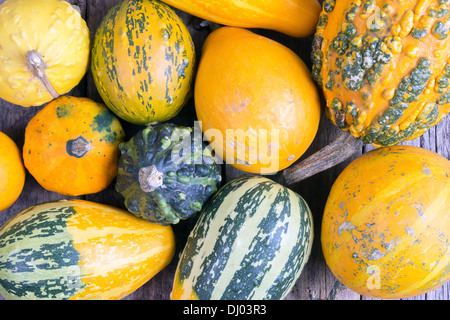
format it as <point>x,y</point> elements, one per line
<point>79,250</point>
<point>386,225</point>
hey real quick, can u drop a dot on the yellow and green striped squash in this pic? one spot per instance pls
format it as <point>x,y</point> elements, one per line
<point>142,62</point>
<point>250,243</point>
<point>79,250</point>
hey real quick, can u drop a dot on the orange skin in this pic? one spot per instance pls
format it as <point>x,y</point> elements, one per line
<point>48,139</point>
<point>12,172</point>
<point>296,18</point>
<point>386,227</point>
<point>251,83</point>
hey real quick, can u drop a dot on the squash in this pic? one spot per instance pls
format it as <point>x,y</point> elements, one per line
<point>79,250</point>
<point>12,172</point>
<point>166,174</point>
<point>251,242</point>
<point>71,146</point>
<point>44,50</point>
<point>385,228</point>
<point>297,18</point>
<point>143,61</point>
<point>384,70</point>
<point>264,114</point>
<point>384,67</point>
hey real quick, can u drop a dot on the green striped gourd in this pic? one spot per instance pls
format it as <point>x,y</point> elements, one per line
<point>251,242</point>
<point>78,250</point>
<point>142,61</point>
<point>166,173</point>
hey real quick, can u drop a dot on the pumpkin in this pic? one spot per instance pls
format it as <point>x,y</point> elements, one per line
<point>12,172</point>
<point>264,114</point>
<point>79,250</point>
<point>71,146</point>
<point>296,18</point>
<point>385,228</point>
<point>166,173</point>
<point>44,50</point>
<point>251,242</point>
<point>143,60</point>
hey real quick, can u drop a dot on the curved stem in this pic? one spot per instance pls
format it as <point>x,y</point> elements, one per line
<point>338,151</point>
<point>150,178</point>
<point>37,65</point>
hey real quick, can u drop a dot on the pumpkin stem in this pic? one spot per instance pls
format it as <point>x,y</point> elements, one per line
<point>338,151</point>
<point>37,65</point>
<point>150,178</point>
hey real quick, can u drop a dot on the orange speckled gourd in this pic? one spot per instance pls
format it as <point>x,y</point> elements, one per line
<point>386,226</point>
<point>12,172</point>
<point>72,146</point>
<point>255,100</point>
<point>143,61</point>
<point>384,66</point>
<point>80,250</point>
<point>297,18</point>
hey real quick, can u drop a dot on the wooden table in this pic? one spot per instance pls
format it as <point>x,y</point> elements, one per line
<point>316,280</point>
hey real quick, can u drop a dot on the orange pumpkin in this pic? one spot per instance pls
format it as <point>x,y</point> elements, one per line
<point>12,172</point>
<point>386,226</point>
<point>71,146</point>
<point>255,101</point>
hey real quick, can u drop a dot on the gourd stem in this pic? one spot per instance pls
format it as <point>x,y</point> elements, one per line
<point>37,65</point>
<point>150,178</point>
<point>338,151</point>
<point>79,147</point>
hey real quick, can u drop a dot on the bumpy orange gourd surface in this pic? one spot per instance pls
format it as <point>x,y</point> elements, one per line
<point>297,18</point>
<point>386,225</point>
<point>71,146</point>
<point>384,66</point>
<point>12,172</point>
<point>55,31</point>
<point>255,101</point>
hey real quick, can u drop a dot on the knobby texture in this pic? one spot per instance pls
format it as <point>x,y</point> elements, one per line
<point>316,281</point>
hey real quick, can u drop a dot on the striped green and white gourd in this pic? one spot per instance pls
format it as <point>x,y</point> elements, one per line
<point>78,250</point>
<point>250,243</point>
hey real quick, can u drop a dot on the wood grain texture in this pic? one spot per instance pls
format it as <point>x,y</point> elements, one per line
<point>316,280</point>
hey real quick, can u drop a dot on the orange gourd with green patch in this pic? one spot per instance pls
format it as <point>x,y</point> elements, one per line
<point>386,227</point>
<point>72,146</point>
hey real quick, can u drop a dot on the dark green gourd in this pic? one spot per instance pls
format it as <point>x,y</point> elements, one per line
<point>166,173</point>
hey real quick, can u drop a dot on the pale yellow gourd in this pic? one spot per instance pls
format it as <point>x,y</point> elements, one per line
<point>44,50</point>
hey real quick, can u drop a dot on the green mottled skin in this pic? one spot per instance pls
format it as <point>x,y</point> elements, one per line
<point>187,180</point>
<point>37,257</point>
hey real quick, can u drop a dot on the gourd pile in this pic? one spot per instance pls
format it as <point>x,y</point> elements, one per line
<point>384,70</point>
